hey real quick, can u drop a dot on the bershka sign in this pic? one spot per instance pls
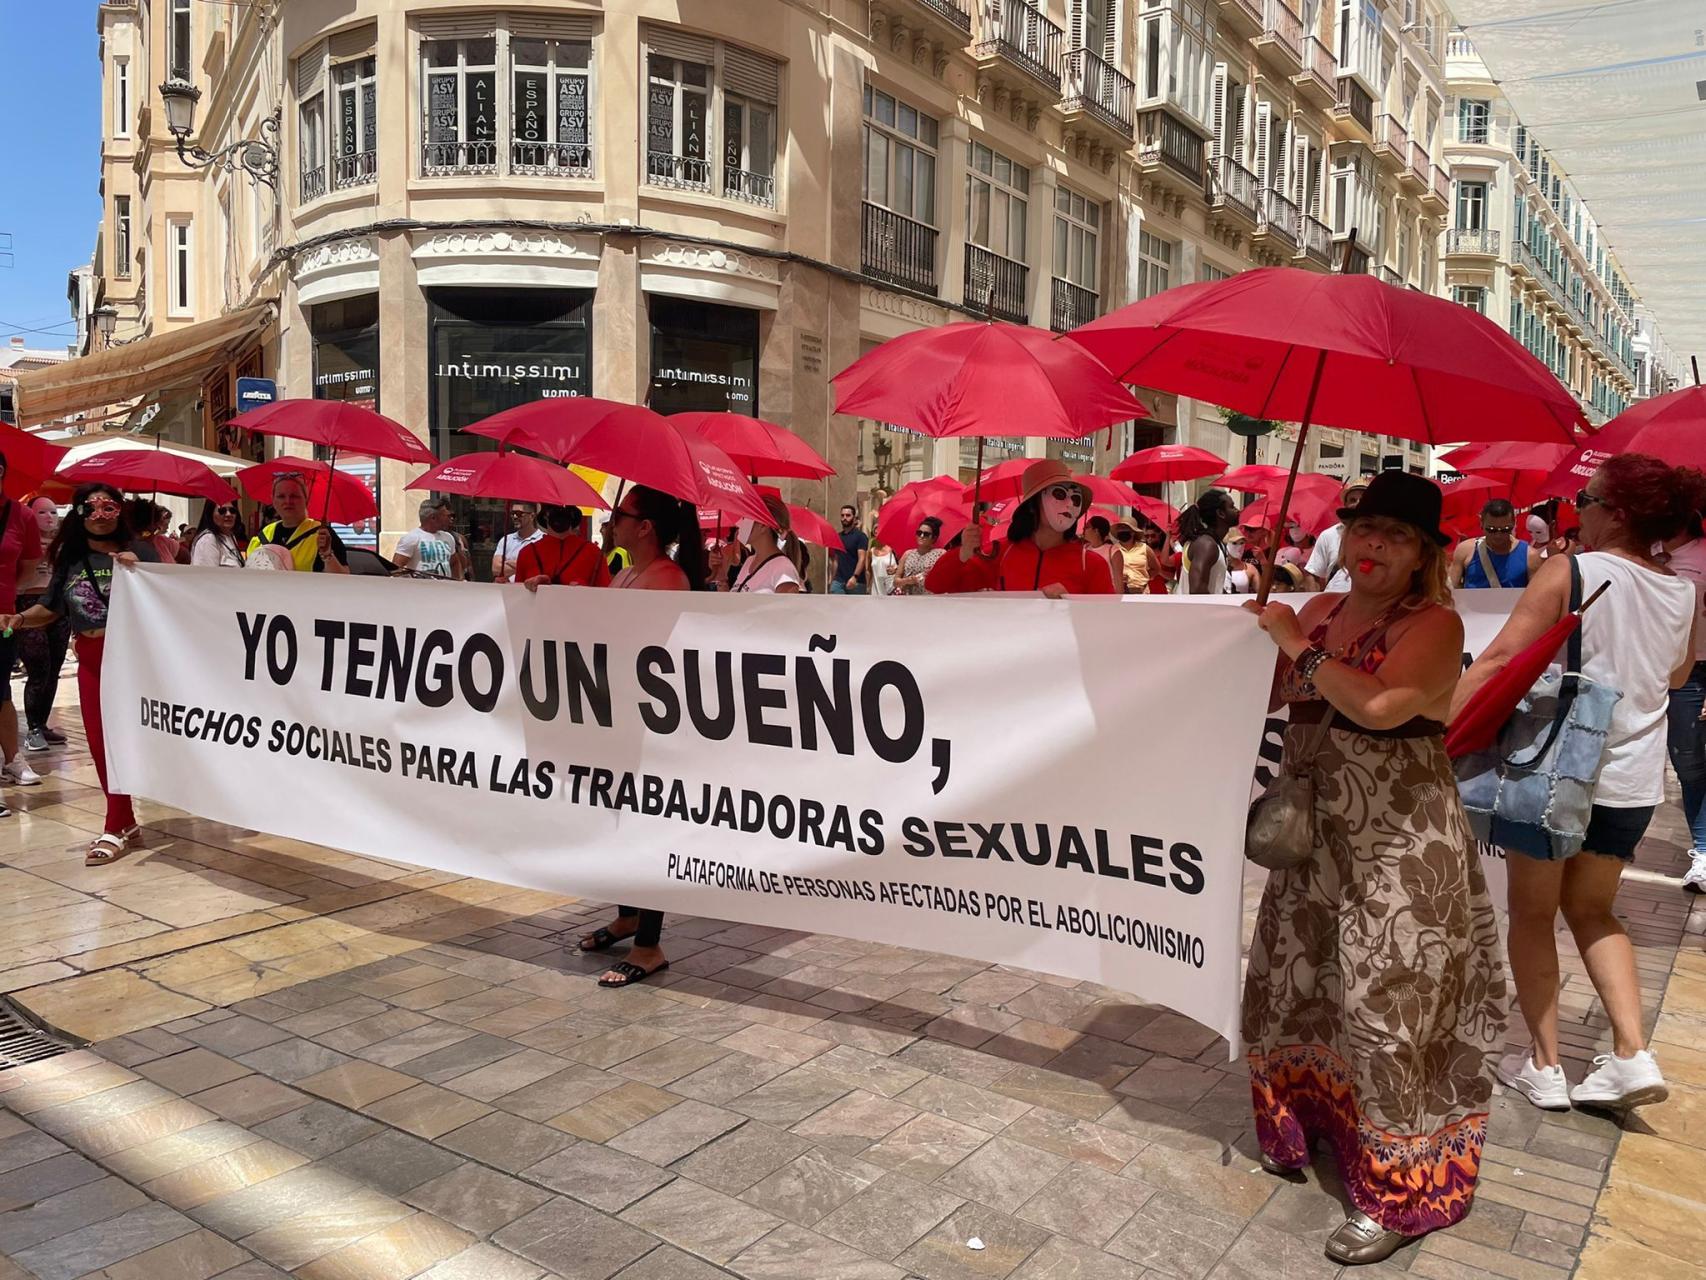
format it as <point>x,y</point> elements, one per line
<point>785,761</point>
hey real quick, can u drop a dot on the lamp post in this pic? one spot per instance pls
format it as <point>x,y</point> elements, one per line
<point>105,317</point>
<point>257,158</point>
<point>882,458</point>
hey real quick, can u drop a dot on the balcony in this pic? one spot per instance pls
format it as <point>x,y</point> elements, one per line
<point>1232,189</point>
<point>679,173</point>
<point>1391,277</point>
<point>1464,242</point>
<point>996,285</point>
<point>1356,264</point>
<point>1170,151</point>
<point>749,187</point>
<point>1318,82</point>
<point>953,14</point>
<point>357,169</point>
<point>895,248</point>
<point>1097,93</point>
<point>1281,37</point>
<point>1419,175</point>
<point>1439,194</point>
<point>1314,242</point>
<point>1278,222</point>
<point>550,160</point>
<point>1391,142</point>
<point>1242,17</point>
<point>440,159</point>
<point>1013,37</point>
<point>1354,105</point>
<point>311,185</point>
<point>1071,305</point>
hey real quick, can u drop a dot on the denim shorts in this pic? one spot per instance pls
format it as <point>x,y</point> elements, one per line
<point>1615,832</point>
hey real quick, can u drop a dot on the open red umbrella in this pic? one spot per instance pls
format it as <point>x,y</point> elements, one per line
<point>1460,458</point>
<point>1520,467</point>
<point>144,470</point>
<point>634,443</point>
<point>1314,505</point>
<point>1340,350</point>
<point>1254,478</point>
<point>813,528</point>
<point>943,497</point>
<point>515,477</point>
<point>340,497</point>
<point>337,425</point>
<point>1670,427</point>
<point>757,447</point>
<point>1166,462</point>
<point>1006,480</point>
<point>30,461</point>
<point>1466,495</point>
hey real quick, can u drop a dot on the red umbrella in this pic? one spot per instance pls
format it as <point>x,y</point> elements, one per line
<point>1458,459</point>
<point>813,528</point>
<point>1006,480</point>
<point>640,446</point>
<point>1342,350</point>
<point>977,379</point>
<point>757,447</point>
<point>1476,727</point>
<point>514,477</point>
<point>337,425</point>
<point>1167,462</point>
<point>1467,495</point>
<point>1520,466</point>
<point>347,501</point>
<point>1670,427</point>
<point>30,461</point>
<point>144,470</point>
<point>943,497</point>
<point>1315,507</point>
<point>1254,478</point>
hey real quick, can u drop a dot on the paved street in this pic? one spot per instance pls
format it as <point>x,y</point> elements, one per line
<point>308,1063</point>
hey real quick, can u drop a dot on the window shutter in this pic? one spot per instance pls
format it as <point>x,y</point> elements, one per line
<point>1078,32</point>
<point>358,43</point>
<point>1107,22</point>
<point>458,26</point>
<point>684,45</point>
<point>1264,127</point>
<point>751,75</point>
<point>1217,109</point>
<point>311,72</point>
<point>552,26</point>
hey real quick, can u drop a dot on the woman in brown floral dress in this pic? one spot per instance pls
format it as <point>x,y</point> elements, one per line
<point>1376,996</point>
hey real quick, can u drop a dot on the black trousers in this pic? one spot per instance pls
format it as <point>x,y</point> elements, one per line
<point>43,652</point>
<point>651,925</point>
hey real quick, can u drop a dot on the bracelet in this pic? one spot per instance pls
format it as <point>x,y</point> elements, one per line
<point>1309,662</point>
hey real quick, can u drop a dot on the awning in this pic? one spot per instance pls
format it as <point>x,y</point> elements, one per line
<point>183,357</point>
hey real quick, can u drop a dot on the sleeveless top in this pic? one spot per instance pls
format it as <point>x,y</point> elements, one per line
<point>1512,567</point>
<point>1310,708</point>
<point>1216,573</point>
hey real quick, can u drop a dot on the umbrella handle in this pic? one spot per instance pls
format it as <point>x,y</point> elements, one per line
<point>1599,591</point>
<point>1291,477</point>
<point>326,506</point>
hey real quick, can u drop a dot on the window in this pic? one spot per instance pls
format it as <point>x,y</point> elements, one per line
<point>121,97</point>
<point>1359,40</point>
<point>550,112</point>
<point>678,108</point>
<point>1472,118</point>
<point>1077,233</point>
<point>705,98</point>
<point>121,238</point>
<point>1208,271</point>
<point>900,157</point>
<point>1154,264</point>
<point>749,150</point>
<point>1175,45</point>
<point>1354,201</point>
<point>460,84</point>
<point>997,189</point>
<point>178,40</point>
<point>1471,206</point>
<point>311,141</point>
<point>1471,296</point>
<point>358,119</point>
<point>179,298</point>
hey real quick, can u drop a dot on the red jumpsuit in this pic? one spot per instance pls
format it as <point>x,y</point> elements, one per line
<point>1021,567</point>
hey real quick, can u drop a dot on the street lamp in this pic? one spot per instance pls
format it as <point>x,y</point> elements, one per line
<point>258,159</point>
<point>882,454</point>
<point>105,318</point>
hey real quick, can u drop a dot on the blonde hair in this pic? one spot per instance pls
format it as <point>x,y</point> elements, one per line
<point>1433,579</point>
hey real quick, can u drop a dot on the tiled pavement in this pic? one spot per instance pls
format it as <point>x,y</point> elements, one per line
<point>315,1064</point>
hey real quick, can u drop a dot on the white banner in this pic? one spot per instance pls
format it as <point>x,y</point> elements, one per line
<point>1054,785</point>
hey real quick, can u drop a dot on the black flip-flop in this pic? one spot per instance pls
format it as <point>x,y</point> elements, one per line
<point>602,940</point>
<point>631,973</point>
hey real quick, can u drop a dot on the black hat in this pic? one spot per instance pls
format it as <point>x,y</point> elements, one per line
<point>1398,495</point>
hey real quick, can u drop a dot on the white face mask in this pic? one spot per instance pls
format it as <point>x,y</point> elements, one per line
<point>743,532</point>
<point>1060,514</point>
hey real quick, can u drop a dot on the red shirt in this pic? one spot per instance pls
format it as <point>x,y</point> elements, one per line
<point>20,541</point>
<point>569,561</point>
<point>1021,567</point>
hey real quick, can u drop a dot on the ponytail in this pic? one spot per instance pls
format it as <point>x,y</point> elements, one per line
<point>676,522</point>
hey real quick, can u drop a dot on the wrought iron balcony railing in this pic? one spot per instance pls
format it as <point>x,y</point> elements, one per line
<point>898,249</point>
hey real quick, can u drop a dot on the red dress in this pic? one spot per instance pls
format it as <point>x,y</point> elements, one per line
<point>570,561</point>
<point>1020,566</point>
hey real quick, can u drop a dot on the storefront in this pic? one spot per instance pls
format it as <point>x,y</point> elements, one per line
<point>346,368</point>
<point>704,357</point>
<point>490,350</point>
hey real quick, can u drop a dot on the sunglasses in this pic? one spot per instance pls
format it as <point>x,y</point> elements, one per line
<point>1494,530</point>
<point>926,533</point>
<point>225,511</point>
<point>1067,493</point>
<point>1584,500</point>
<point>1125,536</point>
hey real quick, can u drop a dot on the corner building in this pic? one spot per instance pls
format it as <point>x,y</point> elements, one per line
<point>717,204</point>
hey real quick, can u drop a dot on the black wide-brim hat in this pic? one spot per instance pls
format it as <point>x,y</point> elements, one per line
<point>1398,495</point>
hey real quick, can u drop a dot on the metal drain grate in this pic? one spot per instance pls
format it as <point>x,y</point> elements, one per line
<point>21,1040</point>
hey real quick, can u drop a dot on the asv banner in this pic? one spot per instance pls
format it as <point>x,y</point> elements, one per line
<point>950,774</point>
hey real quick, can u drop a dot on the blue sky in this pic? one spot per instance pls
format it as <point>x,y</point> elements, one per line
<point>50,105</point>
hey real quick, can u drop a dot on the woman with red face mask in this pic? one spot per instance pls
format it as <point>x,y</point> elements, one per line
<point>1043,551</point>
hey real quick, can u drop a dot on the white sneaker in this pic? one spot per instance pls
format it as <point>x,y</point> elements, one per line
<point>1622,1082</point>
<point>1695,880</point>
<point>19,774</point>
<point>1545,1087</point>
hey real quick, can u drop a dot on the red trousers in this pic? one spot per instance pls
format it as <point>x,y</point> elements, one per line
<point>120,816</point>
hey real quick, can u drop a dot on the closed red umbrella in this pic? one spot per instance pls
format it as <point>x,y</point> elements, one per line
<point>145,470</point>
<point>514,477</point>
<point>1670,427</point>
<point>340,497</point>
<point>757,447</point>
<point>342,427</point>
<point>1166,462</point>
<point>634,443</point>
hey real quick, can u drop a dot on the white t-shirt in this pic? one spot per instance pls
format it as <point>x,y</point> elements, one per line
<point>509,547</point>
<point>763,579</point>
<point>209,549</point>
<point>1632,640</point>
<point>428,553</point>
<point>1324,563</point>
<point>882,573</point>
<point>1689,563</point>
